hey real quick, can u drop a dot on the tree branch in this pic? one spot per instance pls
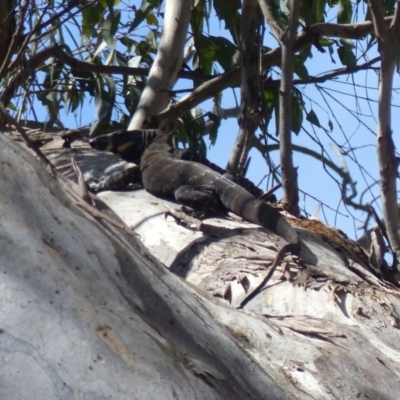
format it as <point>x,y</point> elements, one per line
<point>15,39</point>
<point>378,20</point>
<point>286,41</point>
<point>17,80</point>
<point>232,78</point>
<point>342,172</point>
<point>164,71</point>
<point>289,175</point>
<point>58,53</point>
<point>267,10</point>
<point>250,113</point>
<point>387,44</point>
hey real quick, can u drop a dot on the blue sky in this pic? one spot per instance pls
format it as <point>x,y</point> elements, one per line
<point>314,181</point>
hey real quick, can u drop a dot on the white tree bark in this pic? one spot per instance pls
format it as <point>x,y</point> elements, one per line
<point>88,312</point>
<point>164,71</point>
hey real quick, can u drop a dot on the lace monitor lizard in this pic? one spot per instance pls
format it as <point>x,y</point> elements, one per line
<point>130,146</point>
<point>164,174</point>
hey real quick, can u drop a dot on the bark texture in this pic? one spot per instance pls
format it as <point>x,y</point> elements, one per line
<point>87,311</point>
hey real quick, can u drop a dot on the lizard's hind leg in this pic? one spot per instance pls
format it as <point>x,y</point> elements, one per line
<point>202,199</point>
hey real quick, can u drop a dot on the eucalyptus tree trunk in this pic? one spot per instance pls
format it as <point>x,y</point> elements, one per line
<point>88,310</point>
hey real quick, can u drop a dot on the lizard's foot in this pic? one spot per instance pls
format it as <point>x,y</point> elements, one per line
<point>199,214</point>
<point>202,199</point>
<point>96,187</point>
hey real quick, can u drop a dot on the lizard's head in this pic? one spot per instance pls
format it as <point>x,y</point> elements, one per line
<point>129,145</point>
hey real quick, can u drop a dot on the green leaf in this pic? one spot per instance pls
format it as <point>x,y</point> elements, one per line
<point>106,34</point>
<point>129,43</point>
<point>299,68</point>
<point>313,119</point>
<point>348,42</point>
<point>224,51</point>
<point>91,16</point>
<point>344,12</point>
<point>104,100</point>
<point>312,11</point>
<point>134,62</point>
<point>84,80</point>
<point>389,7</point>
<point>111,87</point>
<point>297,111</point>
<point>143,48</point>
<point>132,97</point>
<point>151,19</point>
<point>115,22</point>
<point>102,106</point>
<point>73,99</point>
<point>152,38</point>
<point>347,56</point>
<point>228,11</point>
<point>214,130</point>
<point>214,49</point>
<point>270,102</point>
<point>141,14</point>
<point>110,4</point>
<point>331,51</point>
<point>271,106</point>
<point>109,27</point>
<point>205,56</point>
<point>111,57</point>
<point>196,20</point>
<point>320,10</point>
<point>191,132</point>
<point>52,104</point>
<point>325,42</point>
<point>304,54</point>
<point>280,12</point>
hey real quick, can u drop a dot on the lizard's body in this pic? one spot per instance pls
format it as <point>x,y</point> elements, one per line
<point>166,176</point>
<point>192,180</point>
<point>130,146</point>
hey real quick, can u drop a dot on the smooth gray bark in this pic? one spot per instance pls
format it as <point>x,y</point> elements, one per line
<point>88,312</point>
